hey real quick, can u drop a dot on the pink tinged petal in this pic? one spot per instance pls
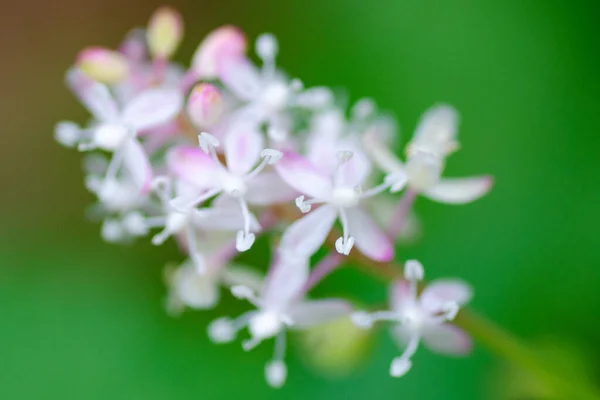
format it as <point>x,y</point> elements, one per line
<point>447,339</point>
<point>194,166</point>
<point>103,65</point>
<point>153,107</point>
<point>306,235</point>
<point>400,295</point>
<point>205,105</point>
<point>300,174</point>
<point>224,215</point>
<point>460,190</point>
<point>137,164</point>
<point>285,281</point>
<point>243,145</point>
<point>353,172</point>
<point>241,77</point>
<point>268,188</point>
<point>134,46</point>
<point>226,42</point>
<point>370,239</point>
<point>314,312</point>
<point>94,96</point>
<point>442,291</point>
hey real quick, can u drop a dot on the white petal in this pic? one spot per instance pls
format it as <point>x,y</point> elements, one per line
<point>268,188</point>
<point>95,96</point>
<point>196,290</point>
<point>400,295</point>
<point>223,218</point>
<point>300,174</point>
<point>353,172</point>
<point>460,190</point>
<point>153,107</point>
<point>243,275</point>
<point>193,166</point>
<point>370,239</point>
<point>242,78</point>
<point>436,131</point>
<point>316,312</point>
<point>307,234</point>
<point>447,339</point>
<point>137,164</point>
<point>243,145</point>
<point>443,291</point>
<point>285,280</point>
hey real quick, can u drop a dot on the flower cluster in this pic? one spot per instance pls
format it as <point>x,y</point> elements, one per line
<point>225,150</point>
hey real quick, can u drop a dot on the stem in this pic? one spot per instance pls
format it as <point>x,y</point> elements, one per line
<point>401,213</point>
<point>327,265</point>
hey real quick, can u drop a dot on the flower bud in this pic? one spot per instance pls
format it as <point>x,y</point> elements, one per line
<point>165,31</point>
<point>205,105</point>
<point>226,42</point>
<point>103,65</point>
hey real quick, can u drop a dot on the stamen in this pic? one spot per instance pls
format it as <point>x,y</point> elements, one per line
<point>208,143</point>
<point>276,370</point>
<point>269,157</point>
<point>245,293</point>
<point>305,205</point>
<point>345,243</point>
<point>195,254</point>
<point>244,239</point>
<point>222,330</point>
<point>183,204</point>
<point>251,343</point>
<point>266,49</point>
<point>343,157</point>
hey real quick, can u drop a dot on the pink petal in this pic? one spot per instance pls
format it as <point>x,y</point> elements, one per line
<point>353,172</point>
<point>300,174</point>
<point>307,234</point>
<point>243,145</point>
<point>153,107</point>
<point>370,239</point>
<point>314,312</point>
<point>460,190</point>
<point>268,188</point>
<point>226,42</point>
<point>400,295</point>
<point>442,291</point>
<point>285,281</point>
<point>94,96</point>
<point>447,339</point>
<point>137,164</point>
<point>194,166</point>
<point>241,77</point>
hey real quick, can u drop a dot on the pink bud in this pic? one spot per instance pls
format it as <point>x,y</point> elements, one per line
<point>205,105</point>
<point>165,31</point>
<point>102,64</point>
<point>224,43</point>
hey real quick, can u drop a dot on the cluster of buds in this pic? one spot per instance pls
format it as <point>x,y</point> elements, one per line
<point>223,151</point>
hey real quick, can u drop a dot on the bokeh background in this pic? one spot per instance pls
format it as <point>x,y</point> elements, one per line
<point>81,319</point>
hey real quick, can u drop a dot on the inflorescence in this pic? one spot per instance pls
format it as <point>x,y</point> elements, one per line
<point>211,154</point>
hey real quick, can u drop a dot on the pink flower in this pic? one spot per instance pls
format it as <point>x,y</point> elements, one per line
<point>241,180</point>
<point>423,318</point>
<point>278,307</point>
<point>337,186</point>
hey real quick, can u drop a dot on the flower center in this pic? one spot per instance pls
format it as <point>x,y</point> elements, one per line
<point>265,324</point>
<point>344,197</point>
<point>110,136</point>
<point>275,96</point>
<point>233,185</point>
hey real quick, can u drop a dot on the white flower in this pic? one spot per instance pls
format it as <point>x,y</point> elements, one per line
<point>279,306</point>
<point>434,140</point>
<point>422,318</point>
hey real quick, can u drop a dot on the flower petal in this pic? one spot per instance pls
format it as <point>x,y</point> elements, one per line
<point>268,188</point>
<point>194,166</point>
<point>306,235</point>
<point>243,145</point>
<point>400,295</point>
<point>447,339</point>
<point>441,291</point>
<point>353,172</point>
<point>460,190</point>
<point>436,131</point>
<point>314,312</point>
<point>222,43</point>
<point>137,164</point>
<point>241,77</point>
<point>370,239</point>
<point>300,174</point>
<point>94,96</point>
<point>285,280</point>
<point>194,289</point>
<point>223,217</point>
<point>153,107</point>
<point>244,276</point>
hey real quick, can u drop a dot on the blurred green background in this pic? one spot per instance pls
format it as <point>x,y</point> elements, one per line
<point>82,319</point>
